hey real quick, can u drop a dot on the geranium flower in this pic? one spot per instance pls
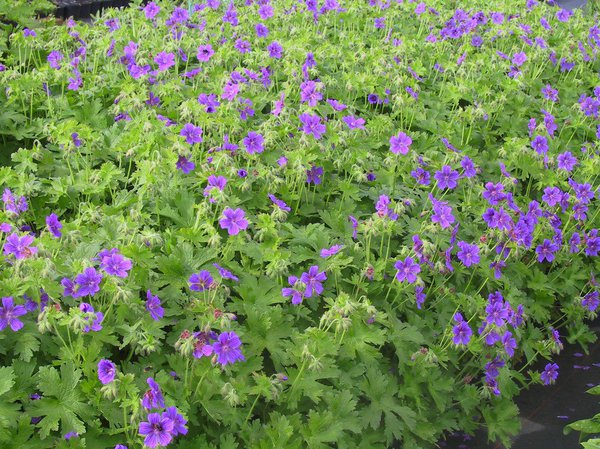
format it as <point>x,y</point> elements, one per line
<point>233,221</point>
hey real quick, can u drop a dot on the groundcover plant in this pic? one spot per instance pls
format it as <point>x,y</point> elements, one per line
<point>294,224</point>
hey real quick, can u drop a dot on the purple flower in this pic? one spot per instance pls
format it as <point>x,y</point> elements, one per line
<point>540,144</point>
<point>275,50</point>
<point>164,60</point>
<point>354,223</point>
<point>54,58</point>
<point>546,250</point>
<point>552,196</point>
<point>279,203</point>
<point>116,265</point>
<point>261,30</point>
<point>519,59</point>
<point>419,296</point>
<point>442,213</point>
<point>153,306</point>
<point>509,343</point>
<point>469,170</point>
<point>29,33</point>
<point>400,143</point>
<point>158,430</point>
<point>254,143</point>
<point>326,252</point>
<point>294,290</point>
<point>373,98</point>
<point>225,274</point>
<point>550,93</point>
<point>566,161</point>
<point>70,435</point>
<point>205,52</point>
<point>179,15</point>
<point>468,254</point>
<point>243,46</point>
<point>12,204</point>
<point>153,397</point>
<point>106,371</point>
<point>421,175</point>
<point>20,246</point>
<point>192,133</point>
<point>265,11</point>
<point>179,421</point>
<point>227,348</point>
<point>494,193</point>
<point>591,301</point>
<point>210,101</point>
<point>336,105</point>
<point>200,281</point>
<point>462,332</point>
<point>312,279</point>
<point>384,209</point>
<point>96,317</point>
<point>233,221</point>
<point>88,282</point>
<point>9,314</point>
<point>407,270</point>
<point>151,10</point>
<point>312,125</point>
<point>550,374</point>
<point>185,165</point>
<point>354,122</point>
<point>446,177</point>
<point>563,15</point>
<point>314,175</point>
<point>309,93</point>
<point>214,182</point>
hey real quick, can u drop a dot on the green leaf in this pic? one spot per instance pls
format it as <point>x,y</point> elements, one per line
<point>62,401</point>
<point>26,345</point>
<point>7,379</point>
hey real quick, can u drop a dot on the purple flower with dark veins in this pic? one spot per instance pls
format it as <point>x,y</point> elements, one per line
<point>313,175</point>
<point>9,314</point>
<point>550,374</point>
<point>157,430</point>
<point>462,332</point>
<point>279,203</point>
<point>88,282</point>
<point>153,306</point>
<point>468,254</point>
<point>312,279</point>
<point>106,371</point>
<point>354,122</point>
<point>201,281</point>
<point>192,133</point>
<point>164,60</point>
<point>116,265</point>
<point>447,177</point>
<point>546,250</point>
<point>225,274</point>
<point>233,220</point>
<point>254,143</point>
<point>407,270</point>
<point>400,143</point>
<point>227,348</point>
<point>312,125</point>
<point>185,165</point>
<point>326,252</point>
<point>20,246</point>
<point>294,290</point>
